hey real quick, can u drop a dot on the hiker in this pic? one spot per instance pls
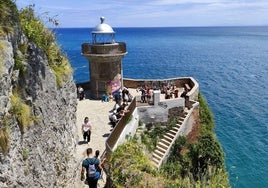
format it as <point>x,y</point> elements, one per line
<point>90,165</point>
<point>86,130</point>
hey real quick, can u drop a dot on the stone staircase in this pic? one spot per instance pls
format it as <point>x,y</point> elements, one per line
<point>164,145</point>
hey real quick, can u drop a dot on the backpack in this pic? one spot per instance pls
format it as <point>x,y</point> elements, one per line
<point>91,171</point>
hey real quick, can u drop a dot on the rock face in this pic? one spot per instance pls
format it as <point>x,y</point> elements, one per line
<point>42,155</point>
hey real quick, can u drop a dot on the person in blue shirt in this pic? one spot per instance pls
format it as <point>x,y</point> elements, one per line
<point>90,160</point>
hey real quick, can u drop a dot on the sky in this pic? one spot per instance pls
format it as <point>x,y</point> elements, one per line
<point>153,13</point>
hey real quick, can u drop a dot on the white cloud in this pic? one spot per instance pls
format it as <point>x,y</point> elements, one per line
<point>126,13</point>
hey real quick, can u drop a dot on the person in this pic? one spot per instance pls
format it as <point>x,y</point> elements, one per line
<point>97,153</point>
<point>126,96</point>
<point>81,93</point>
<point>113,119</point>
<point>143,95</point>
<point>183,95</point>
<point>86,130</point>
<point>120,114</point>
<point>122,107</point>
<point>148,93</point>
<point>86,164</point>
<point>104,98</point>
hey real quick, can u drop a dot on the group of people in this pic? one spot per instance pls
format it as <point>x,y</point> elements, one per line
<point>92,167</point>
<point>118,111</point>
<point>121,98</point>
<point>146,93</point>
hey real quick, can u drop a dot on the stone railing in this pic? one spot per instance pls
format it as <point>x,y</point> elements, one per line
<point>118,129</point>
<point>159,83</point>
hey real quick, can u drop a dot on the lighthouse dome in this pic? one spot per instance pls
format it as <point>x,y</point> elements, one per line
<point>103,28</point>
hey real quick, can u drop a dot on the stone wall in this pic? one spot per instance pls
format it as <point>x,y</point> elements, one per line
<point>42,155</point>
<point>159,83</point>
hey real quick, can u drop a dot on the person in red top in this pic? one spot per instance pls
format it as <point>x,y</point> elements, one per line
<point>86,130</point>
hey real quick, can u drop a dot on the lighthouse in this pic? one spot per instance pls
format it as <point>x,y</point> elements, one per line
<point>105,56</point>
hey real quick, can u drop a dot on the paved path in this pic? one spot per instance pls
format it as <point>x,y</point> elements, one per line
<point>98,113</point>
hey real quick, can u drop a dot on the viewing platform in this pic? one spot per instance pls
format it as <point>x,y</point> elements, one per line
<point>106,139</point>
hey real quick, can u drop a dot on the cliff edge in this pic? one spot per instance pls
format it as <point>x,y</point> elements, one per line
<point>37,109</point>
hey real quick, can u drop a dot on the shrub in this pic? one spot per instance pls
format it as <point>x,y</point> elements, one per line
<point>206,116</point>
<point>8,16</point>
<point>129,165</point>
<point>44,38</point>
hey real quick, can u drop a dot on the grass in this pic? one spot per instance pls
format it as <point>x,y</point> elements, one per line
<point>21,111</point>
<point>25,154</point>
<point>4,139</point>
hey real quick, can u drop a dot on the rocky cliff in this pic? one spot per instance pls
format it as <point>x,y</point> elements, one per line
<point>37,114</point>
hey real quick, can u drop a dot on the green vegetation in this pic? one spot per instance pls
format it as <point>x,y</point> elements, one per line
<point>35,30</point>
<point>1,58</point>
<point>201,162</point>
<point>130,167</point>
<point>4,139</point>
<point>21,111</point>
<point>19,65</point>
<point>190,164</point>
<point>5,124</point>
<point>150,136</point>
<point>206,116</point>
<point>8,16</point>
<point>25,154</point>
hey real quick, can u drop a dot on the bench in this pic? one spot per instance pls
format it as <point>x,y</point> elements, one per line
<point>187,87</point>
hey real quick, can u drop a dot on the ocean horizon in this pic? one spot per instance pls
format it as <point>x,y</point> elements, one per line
<point>230,65</point>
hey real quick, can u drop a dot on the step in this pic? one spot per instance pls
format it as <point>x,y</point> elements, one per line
<point>177,125</point>
<point>159,152</point>
<point>163,150</point>
<point>171,135</point>
<point>166,137</point>
<point>172,131</point>
<point>155,162</point>
<point>155,156</point>
<point>163,145</point>
<point>176,129</point>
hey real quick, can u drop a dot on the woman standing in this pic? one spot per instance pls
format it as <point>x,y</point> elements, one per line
<point>86,130</point>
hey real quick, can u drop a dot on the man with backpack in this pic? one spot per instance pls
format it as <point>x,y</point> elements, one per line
<point>90,165</point>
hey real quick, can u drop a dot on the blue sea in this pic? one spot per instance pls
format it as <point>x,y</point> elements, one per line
<point>231,66</point>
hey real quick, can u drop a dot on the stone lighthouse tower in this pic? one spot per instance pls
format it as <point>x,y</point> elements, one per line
<point>105,60</point>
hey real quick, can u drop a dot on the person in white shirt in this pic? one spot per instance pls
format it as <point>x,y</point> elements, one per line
<point>86,130</point>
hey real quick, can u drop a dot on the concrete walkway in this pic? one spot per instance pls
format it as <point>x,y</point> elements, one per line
<point>98,113</point>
